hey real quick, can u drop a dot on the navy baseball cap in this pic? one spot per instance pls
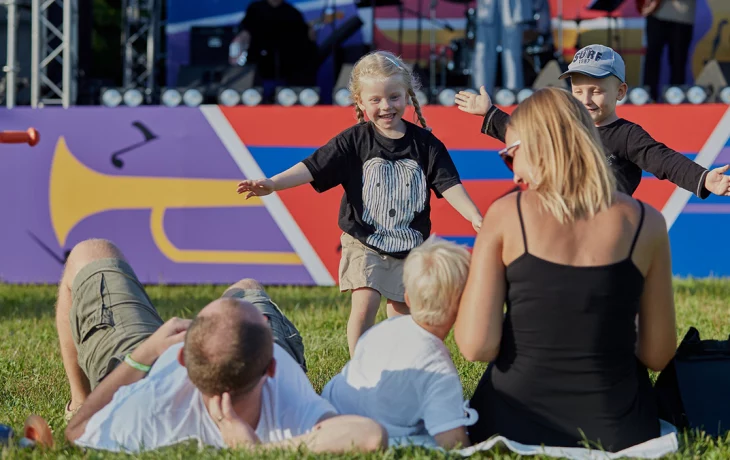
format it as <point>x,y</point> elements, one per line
<point>597,61</point>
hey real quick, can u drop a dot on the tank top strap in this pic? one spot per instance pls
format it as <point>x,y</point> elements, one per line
<point>638,229</point>
<point>522,222</point>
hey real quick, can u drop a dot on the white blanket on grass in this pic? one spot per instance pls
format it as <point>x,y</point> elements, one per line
<point>665,444</point>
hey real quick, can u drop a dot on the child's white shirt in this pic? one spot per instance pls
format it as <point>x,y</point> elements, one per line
<point>402,376</point>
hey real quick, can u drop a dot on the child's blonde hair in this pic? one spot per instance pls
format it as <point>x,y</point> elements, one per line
<point>434,276</point>
<point>381,65</point>
<point>562,146</point>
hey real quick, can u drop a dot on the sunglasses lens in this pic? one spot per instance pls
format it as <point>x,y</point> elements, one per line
<point>507,161</point>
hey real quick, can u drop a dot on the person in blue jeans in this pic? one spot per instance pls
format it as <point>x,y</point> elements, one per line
<point>500,22</point>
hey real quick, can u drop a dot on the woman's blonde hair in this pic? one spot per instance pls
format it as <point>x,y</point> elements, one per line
<point>381,65</point>
<point>434,276</point>
<point>561,145</point>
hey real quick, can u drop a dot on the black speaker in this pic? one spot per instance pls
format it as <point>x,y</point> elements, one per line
<point>715,76</point>
<point>209,45</point>
<point>550,76</point>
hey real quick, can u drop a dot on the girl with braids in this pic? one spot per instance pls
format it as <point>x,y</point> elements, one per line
<point>387,167</point>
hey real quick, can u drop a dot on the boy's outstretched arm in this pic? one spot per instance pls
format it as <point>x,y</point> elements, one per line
<point>460,200</point>
<point>296,175</point>
<point>495,121</point>
<point>665,163</point>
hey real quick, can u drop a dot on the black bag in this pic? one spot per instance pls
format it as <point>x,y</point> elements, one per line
<point>693,391</point>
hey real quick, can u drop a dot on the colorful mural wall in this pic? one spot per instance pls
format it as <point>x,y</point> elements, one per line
<point>160,182</point>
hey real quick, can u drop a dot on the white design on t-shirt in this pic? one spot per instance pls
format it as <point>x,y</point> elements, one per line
<point>393,192</point>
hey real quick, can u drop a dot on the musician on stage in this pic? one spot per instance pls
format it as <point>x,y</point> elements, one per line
<point>274,35</point>
<point>668,23</point>
<point>500,22</point>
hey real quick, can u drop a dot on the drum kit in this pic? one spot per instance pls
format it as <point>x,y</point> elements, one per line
<point>537,48</point>
<point>451,65</point>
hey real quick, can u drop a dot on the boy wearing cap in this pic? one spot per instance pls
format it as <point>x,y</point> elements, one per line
<point>598,80</point>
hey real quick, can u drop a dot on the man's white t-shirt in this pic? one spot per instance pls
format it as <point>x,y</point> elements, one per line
<point>165,408</point>
<point>402,376</point>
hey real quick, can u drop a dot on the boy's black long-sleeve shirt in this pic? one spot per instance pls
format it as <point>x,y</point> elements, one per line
<point>630,150</point>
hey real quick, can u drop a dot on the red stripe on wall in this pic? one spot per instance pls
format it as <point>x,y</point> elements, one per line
<point>684,128</point>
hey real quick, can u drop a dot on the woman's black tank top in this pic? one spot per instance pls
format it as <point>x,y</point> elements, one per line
<point>567,369</point>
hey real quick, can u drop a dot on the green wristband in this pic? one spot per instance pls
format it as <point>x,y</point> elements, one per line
<point>140,367</point>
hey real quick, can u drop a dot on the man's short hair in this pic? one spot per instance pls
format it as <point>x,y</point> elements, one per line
<point>225,352</point>
<point>434,276</point>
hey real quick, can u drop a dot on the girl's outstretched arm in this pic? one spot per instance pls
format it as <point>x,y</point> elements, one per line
<point>460,200</point>
<point>292,177</point>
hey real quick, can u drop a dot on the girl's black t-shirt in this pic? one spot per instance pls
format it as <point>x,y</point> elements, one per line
<point>387,184</point>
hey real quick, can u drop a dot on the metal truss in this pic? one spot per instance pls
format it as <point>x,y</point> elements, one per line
<point>54,54</point>
<point>141,41</point>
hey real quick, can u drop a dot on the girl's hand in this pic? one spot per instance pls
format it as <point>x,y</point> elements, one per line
<point>260,187</point>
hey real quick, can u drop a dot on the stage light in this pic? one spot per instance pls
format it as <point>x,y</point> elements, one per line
<point>251,97</point>
<point>524,94</point>
<point>111,97</point>
<point>725,95</point>
<point>505,97</point>
<point>133,97</point>
<point>421,97</point>
<point>447,97</point>
<point>229,97</point>
<point>696,95</point>
<point>342,97</point>
<point>192,97</point>
<point>286,97</point>
<point>639,96</point>
<point>471,91</point>
<point>171,97</point>
<point>674,95</point>
<point>308,97</point>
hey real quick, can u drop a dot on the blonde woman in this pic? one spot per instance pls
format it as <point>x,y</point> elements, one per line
<point>575,261</point>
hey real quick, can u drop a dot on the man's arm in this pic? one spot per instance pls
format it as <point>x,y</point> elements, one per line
<point>170,333</point>
<point>332,433</point>
<point>665,163</point>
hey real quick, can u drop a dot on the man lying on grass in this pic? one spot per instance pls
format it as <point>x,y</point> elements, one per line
<point>219,379</point>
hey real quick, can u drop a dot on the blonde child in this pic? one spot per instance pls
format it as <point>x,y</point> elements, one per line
<point>402,375</point>
<point>387,167</point>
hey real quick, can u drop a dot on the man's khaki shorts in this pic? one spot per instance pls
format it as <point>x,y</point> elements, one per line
<point>284,332</point>
<point>110,316</point>
<point>361,266</point>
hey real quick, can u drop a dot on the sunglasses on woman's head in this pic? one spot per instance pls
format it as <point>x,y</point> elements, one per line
<point>507,156</point>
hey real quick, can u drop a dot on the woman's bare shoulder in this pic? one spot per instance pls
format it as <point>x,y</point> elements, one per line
<point>654,222</point>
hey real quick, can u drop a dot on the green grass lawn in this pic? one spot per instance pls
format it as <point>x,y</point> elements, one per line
<point>32,380</point>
